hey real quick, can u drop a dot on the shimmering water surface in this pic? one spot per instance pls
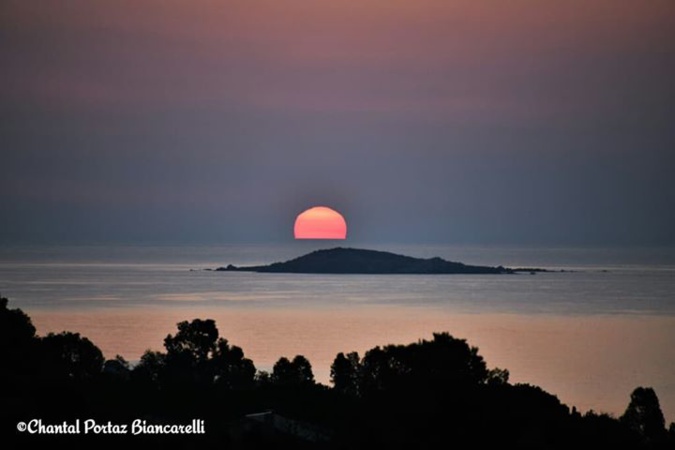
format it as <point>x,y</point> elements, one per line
<point>589,335</point>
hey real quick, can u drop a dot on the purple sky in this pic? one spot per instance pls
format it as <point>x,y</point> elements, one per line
<point>427,121</point>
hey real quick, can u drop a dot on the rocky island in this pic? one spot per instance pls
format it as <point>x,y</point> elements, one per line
<point>358,261</point>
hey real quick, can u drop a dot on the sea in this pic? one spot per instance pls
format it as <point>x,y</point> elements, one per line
<point>598,325</point>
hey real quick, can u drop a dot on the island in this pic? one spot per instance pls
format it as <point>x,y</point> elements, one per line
<point>369,262</point>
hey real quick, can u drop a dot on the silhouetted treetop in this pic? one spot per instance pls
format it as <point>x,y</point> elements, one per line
<point>71,356</point>
<point>15,325</point>
<point>345,373</point>
<point>195,354</point>
<point>443,361</point>
<point>292,373</point>
<point>18,343</point>
<point>231,369</point>
<point>150,367</point>
<point>644,416</point>
<point>197,338</point>
<point>118,368</point>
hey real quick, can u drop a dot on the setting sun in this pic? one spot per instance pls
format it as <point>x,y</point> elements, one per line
<point>320,222</point>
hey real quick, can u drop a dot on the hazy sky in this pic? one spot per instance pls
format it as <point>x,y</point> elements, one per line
<point>421,121</point>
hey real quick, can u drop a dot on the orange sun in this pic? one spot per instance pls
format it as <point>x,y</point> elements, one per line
<point>320,222</point>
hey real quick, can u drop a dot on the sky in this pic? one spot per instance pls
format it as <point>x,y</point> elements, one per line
<point>427,121</point>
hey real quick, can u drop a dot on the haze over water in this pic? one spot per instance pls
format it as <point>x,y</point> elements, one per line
<point>588,335</point>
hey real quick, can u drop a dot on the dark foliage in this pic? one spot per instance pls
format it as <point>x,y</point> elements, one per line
<point>196,355</point>
<point>432,393</point>
<point>644,416</point>
<point>17,341</point>
<point>345,373</point>
<point>71,356</point>
<point>292,374</point>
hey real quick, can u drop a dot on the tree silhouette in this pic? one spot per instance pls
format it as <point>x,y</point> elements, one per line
<point>345,373</point>
<point>196,339</point>
<point>196,355</point>
<point>231,368</point>
<point>18,343</point>
<point>71,356</point>
<point>644,416</point>
<point>443,361</point>
<point>303,369</point>
<point>117,368</point>
<point>188,352</point>
<point>14,324</point>
<point>151,366</point>
<point>294,373</point>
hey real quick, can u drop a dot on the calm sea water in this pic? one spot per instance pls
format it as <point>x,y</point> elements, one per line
<point>589,335</point>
